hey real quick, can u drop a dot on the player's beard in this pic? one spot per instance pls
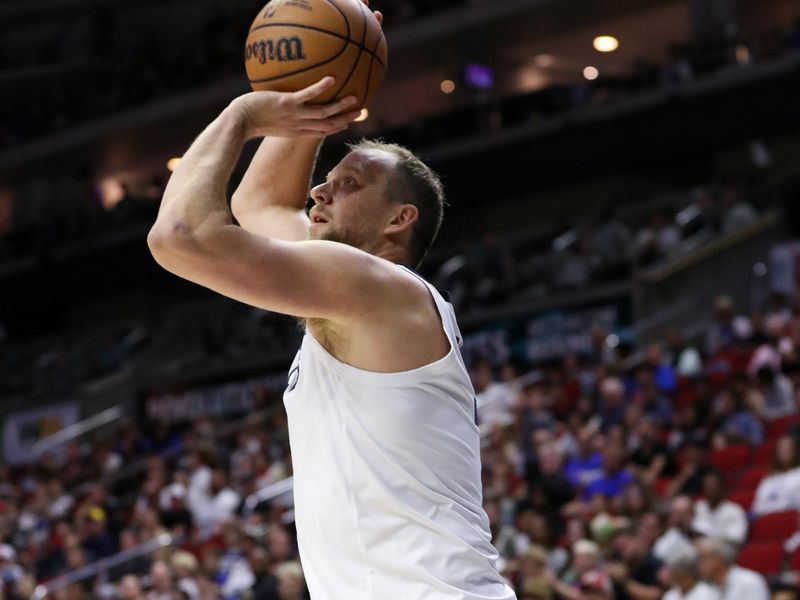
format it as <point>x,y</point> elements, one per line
<point>351,238</point>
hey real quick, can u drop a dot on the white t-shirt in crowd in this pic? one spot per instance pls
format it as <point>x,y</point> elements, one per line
<point>744,584</point>
<point>701,591</point>
<point>672,544</point>
<point>494,405</point>
<point>778,492</point>
<point>728,521</point>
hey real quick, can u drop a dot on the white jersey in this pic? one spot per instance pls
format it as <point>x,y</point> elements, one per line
<point>387,479</point>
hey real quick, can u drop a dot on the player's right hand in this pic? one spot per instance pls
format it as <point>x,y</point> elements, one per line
<point>288,114</point>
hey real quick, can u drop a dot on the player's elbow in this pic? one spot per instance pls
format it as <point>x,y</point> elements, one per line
<point>165,241</point>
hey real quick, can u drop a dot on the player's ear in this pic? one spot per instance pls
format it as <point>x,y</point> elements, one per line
<point>403,218</point>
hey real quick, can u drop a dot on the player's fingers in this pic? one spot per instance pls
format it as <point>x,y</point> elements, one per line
<point>335,123</point>
<point>323,111</point>
<point>344,118</point>
<point>379,16</point>
<point>313,90</point>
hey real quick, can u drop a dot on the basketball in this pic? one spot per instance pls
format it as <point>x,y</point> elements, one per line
<point>295,43</point>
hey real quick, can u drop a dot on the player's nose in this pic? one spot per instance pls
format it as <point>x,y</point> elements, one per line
<point>321,194</point>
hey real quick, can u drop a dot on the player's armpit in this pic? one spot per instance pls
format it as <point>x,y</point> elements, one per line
<point>311,279</point>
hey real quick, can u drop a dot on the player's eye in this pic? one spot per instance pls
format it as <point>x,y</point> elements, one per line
<point>348,180</point>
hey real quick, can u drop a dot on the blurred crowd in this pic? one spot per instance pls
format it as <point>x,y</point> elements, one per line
<point>665,471</point>
<point>99,72</point>
<point>607,246</point>
<point>98,63</point>
<point>494,271</point>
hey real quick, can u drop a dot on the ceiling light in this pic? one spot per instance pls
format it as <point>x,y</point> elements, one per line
<point>172,163</point>
<point>447,86</point>
<point>591,73</point>
<point>606,43</point>
<point>363,116</point>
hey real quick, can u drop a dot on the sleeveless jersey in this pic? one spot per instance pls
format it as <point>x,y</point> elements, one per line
<point>387,478</point>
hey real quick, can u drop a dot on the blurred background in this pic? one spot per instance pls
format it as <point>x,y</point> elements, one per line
<point>621,248</point>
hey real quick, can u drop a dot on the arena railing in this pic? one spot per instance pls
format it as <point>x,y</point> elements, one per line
<point>100,566</point>
<point>72,432</point>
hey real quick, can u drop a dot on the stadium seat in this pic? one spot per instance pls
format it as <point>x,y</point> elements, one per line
<point>750,478</point>
<point>764,557</point>
<point>764,453</point>
<point>775,526</point>
<point>794,561</point>
<point>660,486</point>
<point>743,497</point>
<point>778,427</point>
<point>730,458</point>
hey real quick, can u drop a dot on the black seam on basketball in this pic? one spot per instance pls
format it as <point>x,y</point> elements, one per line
<point>320,30</point>
<point>358,58</point>
<point>369,69</point>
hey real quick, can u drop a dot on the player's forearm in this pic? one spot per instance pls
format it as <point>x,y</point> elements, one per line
<point>194,200</point>
<point>279,175</point>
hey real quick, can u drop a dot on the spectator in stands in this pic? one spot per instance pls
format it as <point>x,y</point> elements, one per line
<point>548,488</point>
<point>780,490</point>
<point>291,584</point>
<point>612,403</point>
<point>676,542</point>
<point>612,240</point>
<point>129,588</point>
<point>161,582</point>
<point>184,565</point>
<point>586,558</point>
<point>734,420</point>
<point>533,572</point>
<point>217,505</point>
<point>587,465</point>
<point>683,575</point>
<point>265,586</point>
<point>495,399</point>
<point>614,477</point>
<point>778,394</point>
<point>635,574</point>
<point>737,213</point>
<point>650,459</point>
<point>728,328</point>
<point>656,241</point>
<point>716,517</point>
<point>716,559</point>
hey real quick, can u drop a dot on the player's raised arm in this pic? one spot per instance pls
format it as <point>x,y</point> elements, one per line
<point>270,200</point>
<point>195,237</point>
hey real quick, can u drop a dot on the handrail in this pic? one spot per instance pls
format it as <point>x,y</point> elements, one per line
<point>660,273</point>
<point>92,569</point>
<point>78,429</point>
<point>273,490</point>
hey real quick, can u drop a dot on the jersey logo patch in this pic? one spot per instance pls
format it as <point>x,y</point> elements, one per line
<point>294,376</point>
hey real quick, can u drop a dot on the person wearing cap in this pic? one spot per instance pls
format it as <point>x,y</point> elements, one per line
<point>716,558</point>
<point>533,573</point>
<point>685,580</point>
<point>585,558</point>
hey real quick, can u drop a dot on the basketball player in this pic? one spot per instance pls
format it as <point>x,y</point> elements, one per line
<point>385,447</point>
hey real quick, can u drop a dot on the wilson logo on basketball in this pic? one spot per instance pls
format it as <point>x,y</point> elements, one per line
<point>282,50</point>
